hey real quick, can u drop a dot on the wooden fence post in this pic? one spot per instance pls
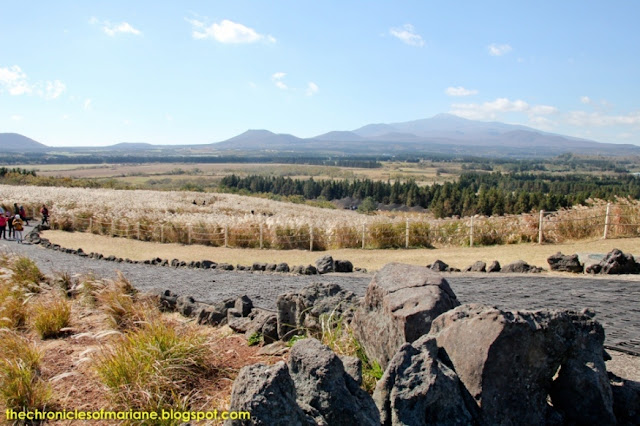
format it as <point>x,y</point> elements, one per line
<point>113,227</point>
<point>161,234</point>
<point>261,237</point>
<point>138,230</point>
<point>90,224</point>
<point>226,235</point>
<point>364,230</point>
<point>310,238</point>
<point>471,233</point>
<point>406,234</point>
<point>189,233</point>
<point>607,221</point>
<point>540,237</point>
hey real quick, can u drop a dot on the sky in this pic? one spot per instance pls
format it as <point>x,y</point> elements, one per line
<point>88,73</point>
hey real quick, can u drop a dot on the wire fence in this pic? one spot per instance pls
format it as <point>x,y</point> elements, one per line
<point>604,221</point>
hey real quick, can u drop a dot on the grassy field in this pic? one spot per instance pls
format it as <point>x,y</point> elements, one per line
<point>141,174</point>
<point>459,257</point>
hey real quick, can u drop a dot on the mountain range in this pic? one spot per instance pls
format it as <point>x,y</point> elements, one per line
<point>443,133</point>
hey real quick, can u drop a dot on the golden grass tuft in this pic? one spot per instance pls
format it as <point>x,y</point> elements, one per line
<point>49,317</point>
<point>123,305</point>
<point>26,272</point>
<point>155,366</point>
<point>21,387</point>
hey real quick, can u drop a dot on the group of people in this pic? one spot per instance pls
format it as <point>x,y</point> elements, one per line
<point>13,221</point>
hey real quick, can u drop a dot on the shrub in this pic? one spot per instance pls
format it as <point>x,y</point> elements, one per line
<point>120,301</point>
<point>156,366</point>
<point>50,317</point>
<point>13,312</point>
<point>25,271</point>
<point>21,386</point>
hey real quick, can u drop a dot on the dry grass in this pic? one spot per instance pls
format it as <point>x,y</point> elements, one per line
<point>50,316</point>
<point>167,361</point>
<point>459,257</point>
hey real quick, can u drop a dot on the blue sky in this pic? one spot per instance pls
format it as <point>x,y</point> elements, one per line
<point>168,72</point>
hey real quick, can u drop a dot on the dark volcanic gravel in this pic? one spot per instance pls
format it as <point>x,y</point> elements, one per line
<point>616,302</point>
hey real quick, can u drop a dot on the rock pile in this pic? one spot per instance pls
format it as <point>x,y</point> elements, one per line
<point>615,262</point>
<point>445,363</point>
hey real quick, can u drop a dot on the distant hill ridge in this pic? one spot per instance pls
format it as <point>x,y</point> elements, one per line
<point>442,133</point>
<point>17,142</point>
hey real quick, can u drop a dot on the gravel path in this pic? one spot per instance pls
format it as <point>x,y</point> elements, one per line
<point>615,301</point>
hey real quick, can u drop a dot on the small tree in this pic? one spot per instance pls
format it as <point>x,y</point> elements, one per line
<point>368,205</point>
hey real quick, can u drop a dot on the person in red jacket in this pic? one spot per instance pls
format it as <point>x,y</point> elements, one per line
<point>3,226</point>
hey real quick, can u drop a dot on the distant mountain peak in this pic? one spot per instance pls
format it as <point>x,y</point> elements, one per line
<point>18,142</point>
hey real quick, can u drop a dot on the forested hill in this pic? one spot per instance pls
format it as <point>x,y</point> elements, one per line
<point>472,193</point>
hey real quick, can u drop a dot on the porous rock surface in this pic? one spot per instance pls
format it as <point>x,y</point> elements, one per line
<point>507,361</point>
<point>419,388</point>
<point>301,310</point>
<point>398,307</point>
<point>565,263</point>
<point>615,262</point>
<point>312,388</point>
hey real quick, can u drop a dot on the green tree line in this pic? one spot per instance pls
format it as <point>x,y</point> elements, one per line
<point>473,193</point>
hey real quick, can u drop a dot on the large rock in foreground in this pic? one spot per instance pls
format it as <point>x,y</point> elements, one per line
<point>323,384</point>
<point>399,306</point>
<point>312,389</point>
<point>268,393</point>
<point>418,388</point>
<point>507,361</point>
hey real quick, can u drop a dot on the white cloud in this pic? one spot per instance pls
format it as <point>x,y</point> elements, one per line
<point>168,117</point>
<point>277,79</point>
<point>112,29</point>
<point>87,105</point>
<point>498,49</point>
<point>460,91</point>
<point>123,27</point>
<point>585,99</point>
<point>227,32</point>
<point>407,35</point>
<point>16,117</point>
<point>14,81</point>
<point>599,119</point>
<point>543,110</point>
<point>312,88</point>
<point>53,89</point>
<point>491,110</point>
<point>542,122</point>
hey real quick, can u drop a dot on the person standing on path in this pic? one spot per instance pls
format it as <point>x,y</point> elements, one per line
<point>23,216</point>
<point>18,227</point>
<point>9,217</point>
<point>45,214</point>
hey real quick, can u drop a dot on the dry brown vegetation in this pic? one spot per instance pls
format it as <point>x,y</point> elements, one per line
<point>111,355</point>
